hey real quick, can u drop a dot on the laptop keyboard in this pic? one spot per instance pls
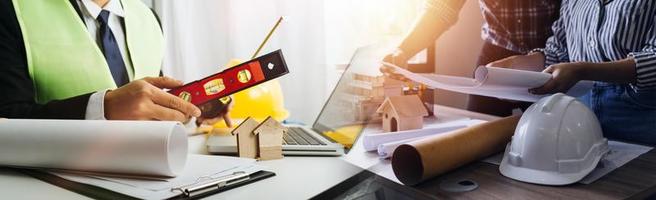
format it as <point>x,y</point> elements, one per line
<point>298,136</point>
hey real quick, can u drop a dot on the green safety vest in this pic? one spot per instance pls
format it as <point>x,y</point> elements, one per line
<point>64,61</point>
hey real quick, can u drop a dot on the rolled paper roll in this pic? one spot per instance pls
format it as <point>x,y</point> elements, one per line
<point>142,148</point>
<point>372,141</point>
<point>422,159</point>
<point>385,150</point>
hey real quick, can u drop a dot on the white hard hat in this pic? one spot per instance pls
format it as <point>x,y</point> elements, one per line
<point>558,141</point>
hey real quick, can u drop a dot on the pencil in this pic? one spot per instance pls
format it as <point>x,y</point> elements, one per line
<point>266,39</point>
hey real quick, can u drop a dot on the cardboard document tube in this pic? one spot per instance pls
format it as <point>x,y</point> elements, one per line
<point>422,159</point>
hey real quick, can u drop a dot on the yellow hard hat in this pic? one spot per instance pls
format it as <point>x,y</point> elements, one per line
<point>257,102</point>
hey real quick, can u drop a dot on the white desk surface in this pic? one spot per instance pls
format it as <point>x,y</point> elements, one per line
<point>296,177</point>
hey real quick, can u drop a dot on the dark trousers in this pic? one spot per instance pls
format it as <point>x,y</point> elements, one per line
<point>491,105</point>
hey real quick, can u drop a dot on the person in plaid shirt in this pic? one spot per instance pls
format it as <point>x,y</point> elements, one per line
<point>511,27</point>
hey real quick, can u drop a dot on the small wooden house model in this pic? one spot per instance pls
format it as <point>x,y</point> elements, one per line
<point>247,142</point>
<point>402,113</point>
<point>270,133</point>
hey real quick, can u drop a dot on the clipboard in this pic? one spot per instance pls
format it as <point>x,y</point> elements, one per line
<point>200,190</point>
<point>196,190</point>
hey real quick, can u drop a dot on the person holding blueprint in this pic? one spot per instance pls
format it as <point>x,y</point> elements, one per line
<point>511,27</point>
<point>614,44</point>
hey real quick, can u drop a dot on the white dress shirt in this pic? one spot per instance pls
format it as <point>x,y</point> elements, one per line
<point>90,12</point>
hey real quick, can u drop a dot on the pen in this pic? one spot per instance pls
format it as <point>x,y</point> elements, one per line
<point>266,39</point>
<point>236,177</point>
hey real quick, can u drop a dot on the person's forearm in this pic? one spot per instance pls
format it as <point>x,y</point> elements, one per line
<point>430,25</point>
<point>622,71</point>
<point>424,32</point>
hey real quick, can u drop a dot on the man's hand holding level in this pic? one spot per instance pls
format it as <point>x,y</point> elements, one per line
<point>144,99</point>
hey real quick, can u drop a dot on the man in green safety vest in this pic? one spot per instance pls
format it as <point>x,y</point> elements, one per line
<point>84,59</point>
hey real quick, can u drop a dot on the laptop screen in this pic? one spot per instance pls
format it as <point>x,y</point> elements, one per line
<point>356,97</point>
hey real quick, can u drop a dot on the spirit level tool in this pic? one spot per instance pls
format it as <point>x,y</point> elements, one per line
<point>211,94</point>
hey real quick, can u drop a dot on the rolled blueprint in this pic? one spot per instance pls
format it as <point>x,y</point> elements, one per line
<point>512,84</point>
<point>385,150</point>
<point>142,148</point>
<point>371,141</point>
<point>422,159</point>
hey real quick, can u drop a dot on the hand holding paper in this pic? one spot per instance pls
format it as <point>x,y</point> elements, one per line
<point>565,75</point>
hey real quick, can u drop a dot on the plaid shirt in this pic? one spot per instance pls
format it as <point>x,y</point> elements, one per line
<point>516,25</point>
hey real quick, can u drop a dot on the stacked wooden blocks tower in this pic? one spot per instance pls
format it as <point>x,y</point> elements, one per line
<point>386,100</point>
<point>369,92</point>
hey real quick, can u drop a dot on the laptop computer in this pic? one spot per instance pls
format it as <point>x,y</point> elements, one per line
<point>339,120</point>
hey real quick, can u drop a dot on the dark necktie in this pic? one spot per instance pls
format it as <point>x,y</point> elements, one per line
<point>112,51</point>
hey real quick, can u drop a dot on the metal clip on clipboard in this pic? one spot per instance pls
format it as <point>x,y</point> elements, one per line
<point>214,184</point>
